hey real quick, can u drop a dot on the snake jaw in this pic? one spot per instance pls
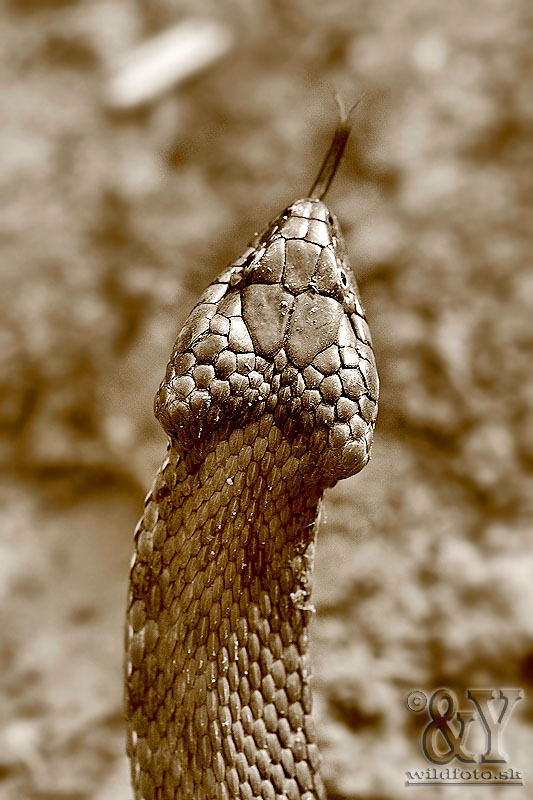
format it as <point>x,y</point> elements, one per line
<point>282,331</point>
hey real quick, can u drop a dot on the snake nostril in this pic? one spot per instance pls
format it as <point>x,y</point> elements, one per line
<point>330,219</point>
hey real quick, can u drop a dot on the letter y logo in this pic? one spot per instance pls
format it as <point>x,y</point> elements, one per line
<point>494,728</point>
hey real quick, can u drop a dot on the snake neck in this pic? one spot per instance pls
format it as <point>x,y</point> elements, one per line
<point>218,673</point>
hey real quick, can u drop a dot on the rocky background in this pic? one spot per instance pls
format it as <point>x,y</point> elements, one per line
<point>114,217</point>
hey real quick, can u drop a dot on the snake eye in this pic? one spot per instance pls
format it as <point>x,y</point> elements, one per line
<point>344,279</point>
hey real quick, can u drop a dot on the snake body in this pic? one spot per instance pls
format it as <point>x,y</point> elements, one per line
<point>270,397</point>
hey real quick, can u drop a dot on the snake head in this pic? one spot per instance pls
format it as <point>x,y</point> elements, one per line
<point>282,333</point>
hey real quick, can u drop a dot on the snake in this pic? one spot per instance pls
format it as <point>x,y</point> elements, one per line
<point>269,398</point>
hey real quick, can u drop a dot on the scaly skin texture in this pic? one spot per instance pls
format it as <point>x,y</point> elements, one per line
<point>270,396</point>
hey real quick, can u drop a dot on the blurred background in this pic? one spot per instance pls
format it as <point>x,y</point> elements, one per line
<point>128,179</point>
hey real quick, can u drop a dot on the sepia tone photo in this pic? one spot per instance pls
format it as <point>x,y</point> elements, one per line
<point>226,228</point>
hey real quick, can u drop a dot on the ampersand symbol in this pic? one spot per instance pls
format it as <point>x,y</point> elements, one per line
<point>440,724</point>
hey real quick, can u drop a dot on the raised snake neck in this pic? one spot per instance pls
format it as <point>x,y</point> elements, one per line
<point>270,396</point>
